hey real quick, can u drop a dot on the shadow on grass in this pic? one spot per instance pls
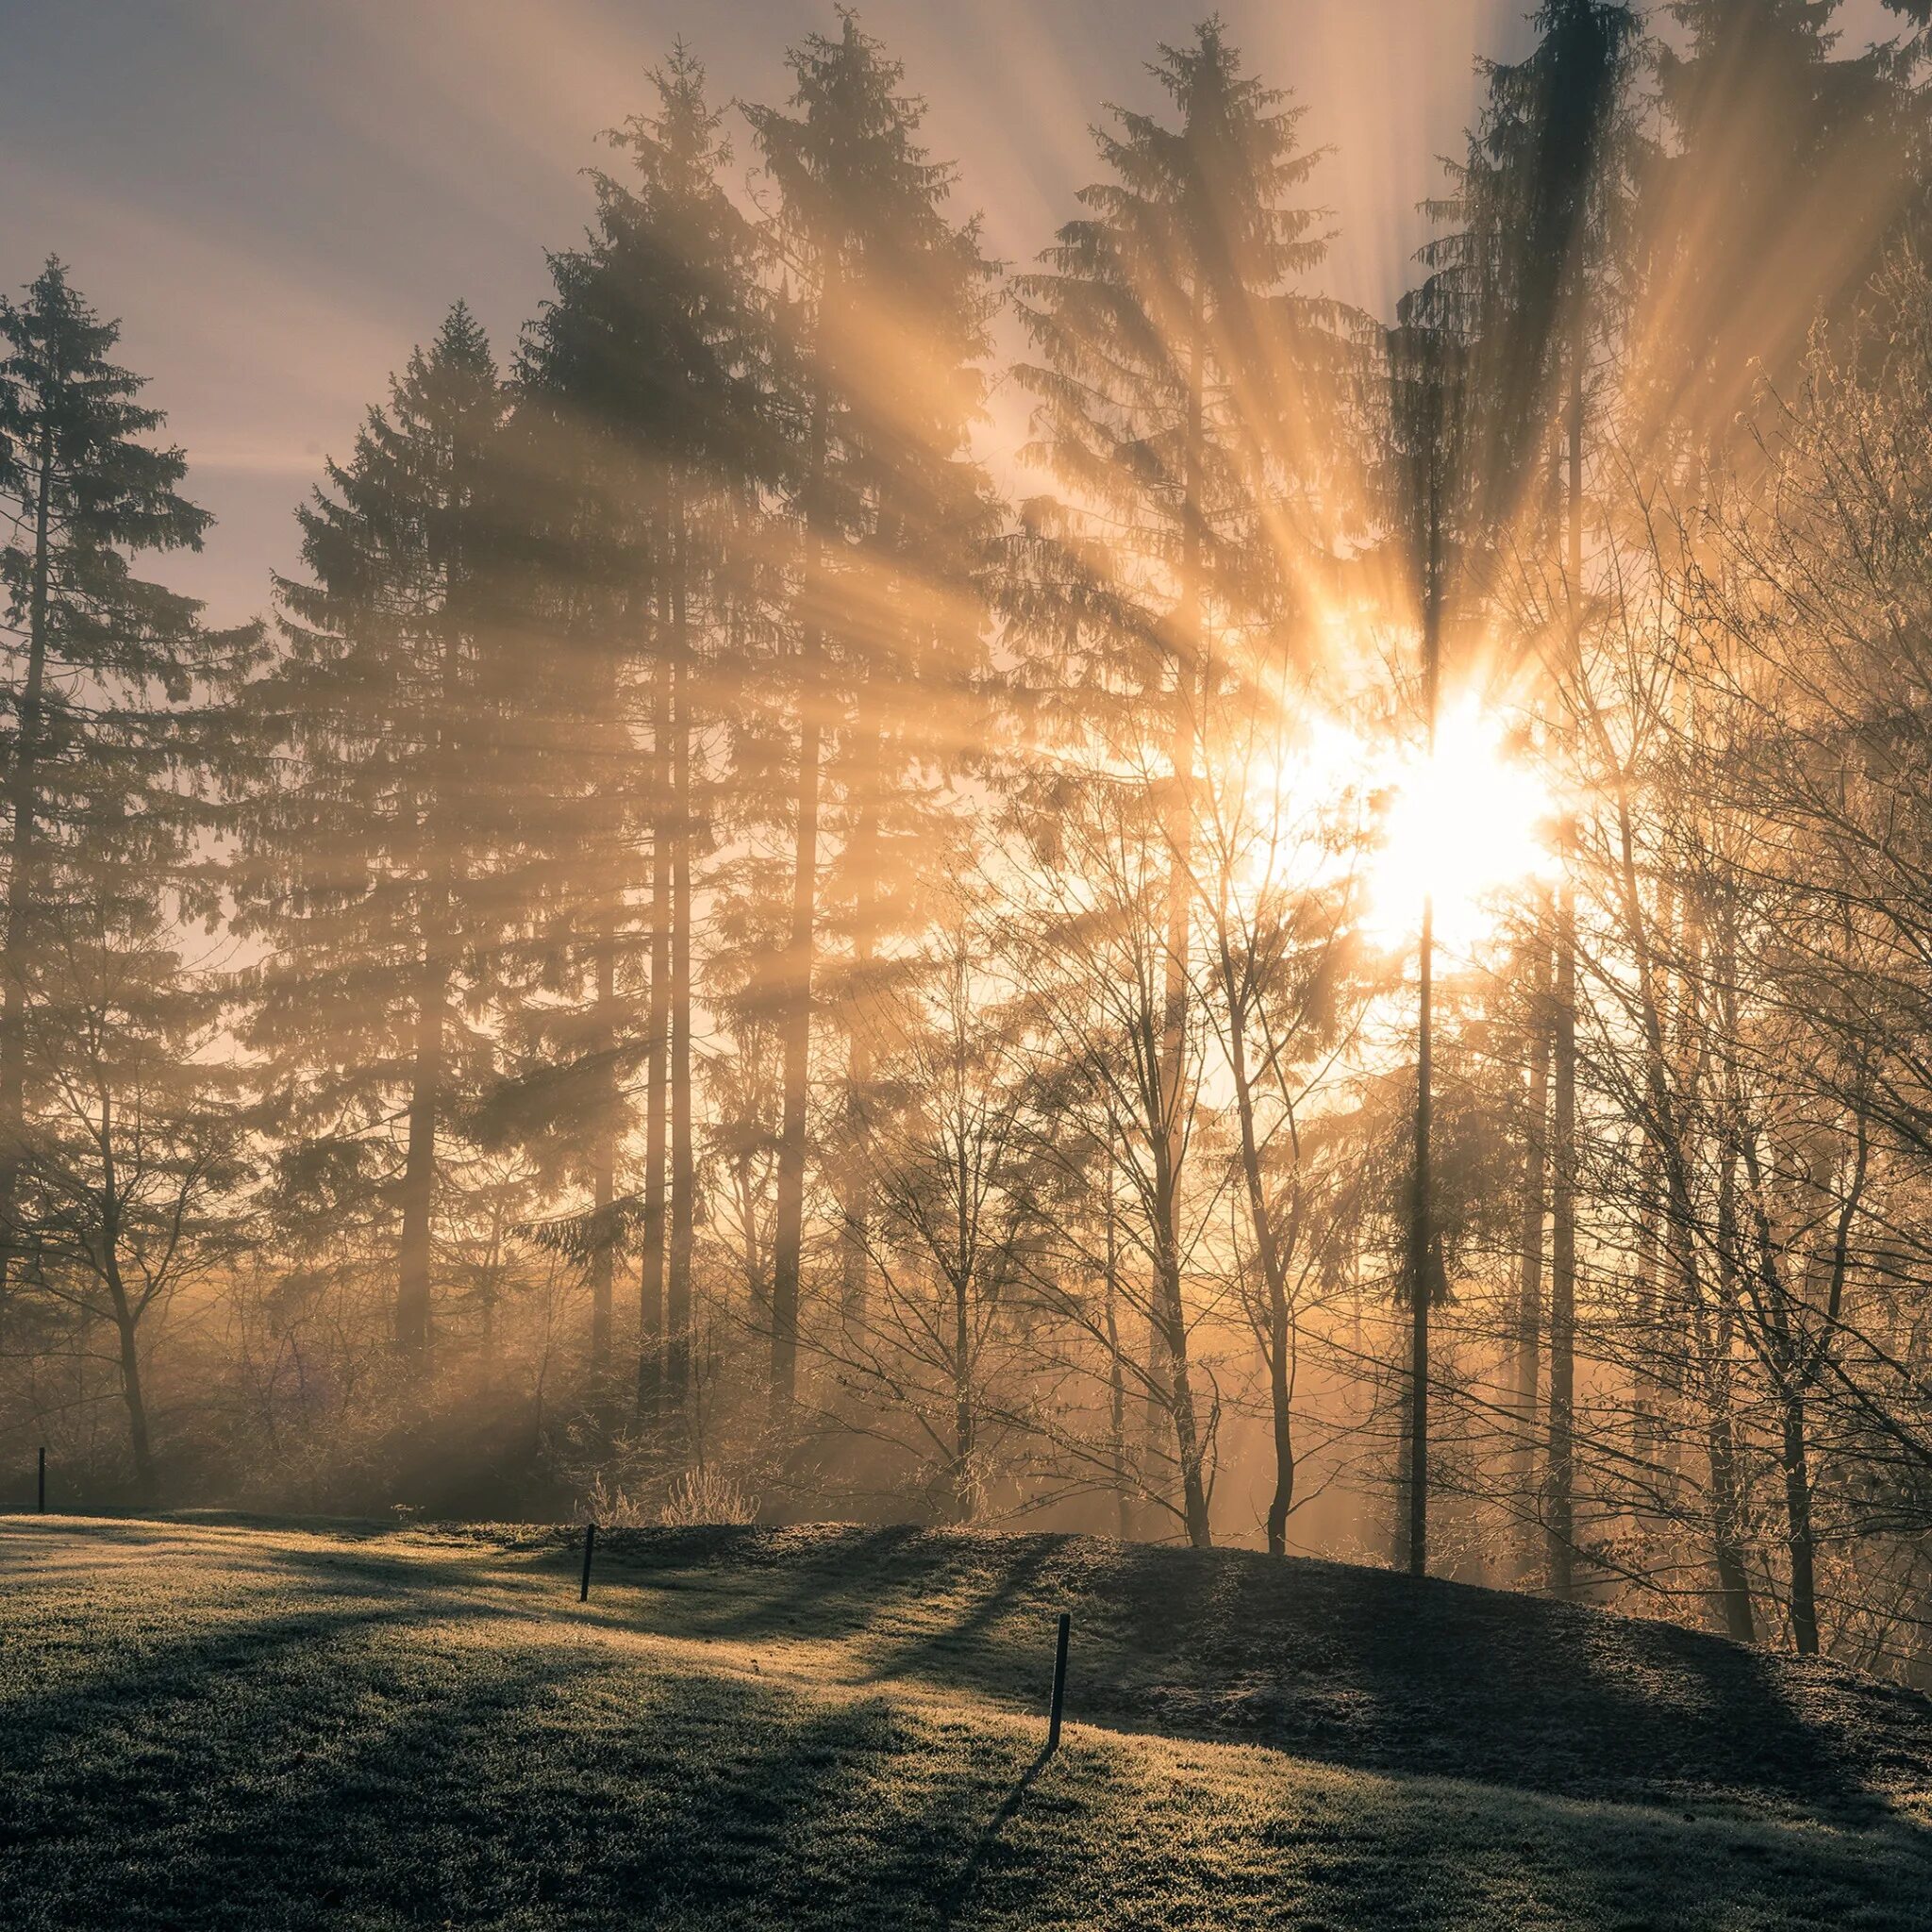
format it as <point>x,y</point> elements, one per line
<point>1357,1668</point>
<point>382,1759</point>
<point>955,1895</point>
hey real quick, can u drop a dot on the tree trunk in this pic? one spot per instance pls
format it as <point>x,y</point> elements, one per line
<point>419,1168</point>
<point>1799,1542</point>
<point>1421,1274</point>
<point>1561,1519</point>
<point>963,1442</point>
<point>1726,1477</point>
<point>1530,1287</point>
<point>1116,1375</point>
<point>788,1238</point>
<point>1266,1247</point>
<point>1423,1261</point>
<point>22,797</point>
<point>604,1146</point>
<point>855,1184</point>
<point>1727,1543</point>
<point>147,1489</point>
<point>1186,1431</point>
<point>795,972</point>
<point>652,1343</point>
<point>1189,677</point>
<point>677,1298</point>
<point>1560,1541</point>
<point>1157,1416</point>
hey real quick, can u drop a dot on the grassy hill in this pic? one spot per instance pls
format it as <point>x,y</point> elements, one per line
<point>223,1722</point>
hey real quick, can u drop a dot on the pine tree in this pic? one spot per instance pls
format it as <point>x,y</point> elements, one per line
<point>366,867</point>
<point>112,674</point>
<point>642,383</point>
<point>1177,374</point>
<point>1776,196</point>
<point>1499,343</point>
<point>883,327</point>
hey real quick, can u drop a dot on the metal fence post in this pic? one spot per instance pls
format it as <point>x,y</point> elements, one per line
<point>1060,1685</point>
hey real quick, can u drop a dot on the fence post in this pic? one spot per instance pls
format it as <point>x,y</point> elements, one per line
<point>590,1545</point>
<point>1060,1685</point>
<point>43,1480</point>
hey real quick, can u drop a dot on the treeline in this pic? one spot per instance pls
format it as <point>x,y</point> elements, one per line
<point>711,960</point>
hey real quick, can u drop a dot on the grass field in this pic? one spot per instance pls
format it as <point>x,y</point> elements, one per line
<point>248,1724</point>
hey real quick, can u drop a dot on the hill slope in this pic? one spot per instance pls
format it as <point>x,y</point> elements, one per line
<point>227,1724</point>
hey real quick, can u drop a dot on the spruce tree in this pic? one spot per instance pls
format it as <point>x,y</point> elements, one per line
<point>365,870</point>
<point>883,328</point>
<point>1776,193</point>
<point>1500,343</point>
<point>112,677</point>
<point>642,382</point>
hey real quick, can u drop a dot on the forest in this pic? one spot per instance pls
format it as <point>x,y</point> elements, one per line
<point>1329,949</point>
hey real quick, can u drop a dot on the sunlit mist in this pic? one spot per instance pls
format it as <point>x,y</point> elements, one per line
<point>1464,827</point>
<point>989,767</point>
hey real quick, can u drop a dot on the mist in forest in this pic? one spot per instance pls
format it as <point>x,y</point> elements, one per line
<point>934,853</point>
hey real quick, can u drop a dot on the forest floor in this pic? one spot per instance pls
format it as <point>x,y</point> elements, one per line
<point>223,1722</point>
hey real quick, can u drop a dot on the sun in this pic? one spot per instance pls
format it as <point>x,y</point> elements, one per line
<point>1457,827</point>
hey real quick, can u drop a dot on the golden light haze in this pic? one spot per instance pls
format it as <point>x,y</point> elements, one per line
<point>1003,764</point>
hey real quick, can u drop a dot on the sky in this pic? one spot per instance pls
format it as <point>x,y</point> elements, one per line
<point>279,197</point>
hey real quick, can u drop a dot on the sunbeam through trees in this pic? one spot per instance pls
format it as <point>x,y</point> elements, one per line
<point>1100,892</point>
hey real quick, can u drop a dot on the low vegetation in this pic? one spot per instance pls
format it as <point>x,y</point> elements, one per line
<point>231,1722</point>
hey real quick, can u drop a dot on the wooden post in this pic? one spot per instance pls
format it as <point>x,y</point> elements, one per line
<point>590,1545</point>
<point>1060,1685</point>
<point>43,1479</point>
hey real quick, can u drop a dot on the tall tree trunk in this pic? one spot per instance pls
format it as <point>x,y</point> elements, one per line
<point>1422,1244</point>
<point>795,1023</point>
<point>1562,1453</point>
<point>1190,1448</point>
<point>1560,1544</point>
<point>855,1183</point>
<point>1190,683</point>
<point>1727,1518</point>
<point>147,1489</point>
<point>1799,1542</point>
<point>654,1340</point>
<point>677,1298</point>
<point>604,1141</point>
<point>1656,1379</point>
<point>964,1431</point>
<point>796,975</point>
<point>419,1167</point>
<point>1274,1273</point>
<point>1530,1285</point>
<point>1423,1259</point>
<point>127,1313</point>
<point>1116,1371</point>
<point>1157,1415</point>
<point>1721,1437</point>
<point>23,799</point>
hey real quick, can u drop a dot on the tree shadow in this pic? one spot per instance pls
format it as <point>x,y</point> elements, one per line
<point>378,1757</point>
<point>1357,1668</point>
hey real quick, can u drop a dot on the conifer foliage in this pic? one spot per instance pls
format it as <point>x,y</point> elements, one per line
<point>882,315</point>
<point>367,868</point>
<point>709,965</point>
<point>112,1160</point>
